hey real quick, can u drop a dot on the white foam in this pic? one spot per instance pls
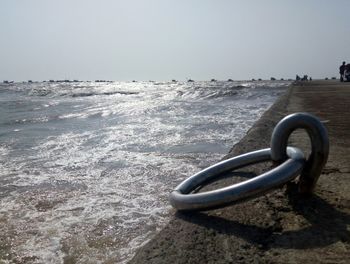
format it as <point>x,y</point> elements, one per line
<point>98,189</point>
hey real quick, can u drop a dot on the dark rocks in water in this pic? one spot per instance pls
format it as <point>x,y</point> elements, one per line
<point>273,79</point>
<point>213,80</point>
<point>30,81</point>
<point>326,78</point>
<point>253,80</point>
<point>51,81</point>
<point>7,82</point>
<point>259,79</point>
<point>75,80</point>
<point>173,80</point>
<point>133,80</point>
<point>190,80</point>
<point>230,80</point>
<point>334,78</point>
<point>282,79</point>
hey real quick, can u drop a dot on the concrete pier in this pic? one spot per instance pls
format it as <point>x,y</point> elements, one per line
<point>281,226</point>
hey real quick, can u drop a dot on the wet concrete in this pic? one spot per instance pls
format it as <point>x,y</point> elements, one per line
<point>281,226</point>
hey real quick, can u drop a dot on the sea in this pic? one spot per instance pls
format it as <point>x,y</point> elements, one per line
<point>86,168</point>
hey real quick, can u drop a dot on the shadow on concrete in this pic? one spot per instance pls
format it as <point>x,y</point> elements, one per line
<point>325,225</point>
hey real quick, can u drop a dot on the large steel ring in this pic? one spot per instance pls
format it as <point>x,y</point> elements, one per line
<point>319,146</point>
<point>182,198</point>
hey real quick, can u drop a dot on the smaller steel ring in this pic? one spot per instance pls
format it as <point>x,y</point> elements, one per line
<point>182,198</point>
<point>319,146</point>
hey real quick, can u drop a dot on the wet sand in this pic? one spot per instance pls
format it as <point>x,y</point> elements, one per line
<point>281,226</point>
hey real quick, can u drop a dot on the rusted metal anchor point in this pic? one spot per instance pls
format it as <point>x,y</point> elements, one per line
<point>319,146</point>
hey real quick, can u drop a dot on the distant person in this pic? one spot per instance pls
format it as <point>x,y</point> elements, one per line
<point>342,71</point>
<point>347,72</point>
<point>305,78</point>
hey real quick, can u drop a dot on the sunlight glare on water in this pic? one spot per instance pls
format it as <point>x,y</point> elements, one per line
<point>86,168</point>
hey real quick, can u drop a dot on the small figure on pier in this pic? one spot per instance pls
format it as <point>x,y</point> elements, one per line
<point>347,72</point>
<point>342,71</point>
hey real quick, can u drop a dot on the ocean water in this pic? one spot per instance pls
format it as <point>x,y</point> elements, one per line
<point>86,168</point>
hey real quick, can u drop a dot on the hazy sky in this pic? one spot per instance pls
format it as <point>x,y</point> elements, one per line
<point>172,39</point>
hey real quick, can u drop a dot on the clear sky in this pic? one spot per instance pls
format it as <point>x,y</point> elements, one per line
<point>172,39</point>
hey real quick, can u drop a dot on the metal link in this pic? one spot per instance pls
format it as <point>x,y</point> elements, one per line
<point>181,198</point>
<point>291,159</point>
<point>319,146</point>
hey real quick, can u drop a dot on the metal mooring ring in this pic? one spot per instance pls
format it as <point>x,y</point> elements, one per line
<point>319,146</point>
<point>182,198</point>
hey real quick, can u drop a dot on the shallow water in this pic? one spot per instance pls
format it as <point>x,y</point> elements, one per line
<point>86,168</point>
